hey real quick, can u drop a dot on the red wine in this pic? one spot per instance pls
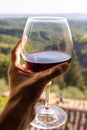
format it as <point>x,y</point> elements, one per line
<point>44,60</point>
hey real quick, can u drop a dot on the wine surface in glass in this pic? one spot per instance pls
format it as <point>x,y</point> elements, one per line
<point>40,61</point>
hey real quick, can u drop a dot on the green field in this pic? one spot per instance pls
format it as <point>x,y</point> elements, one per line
<point>3,101</point>
<point>70,92</point>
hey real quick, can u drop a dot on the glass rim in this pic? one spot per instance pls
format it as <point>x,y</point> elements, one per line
<point>46,18</point>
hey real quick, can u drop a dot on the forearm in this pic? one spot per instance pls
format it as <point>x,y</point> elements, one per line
<point>16,115</point>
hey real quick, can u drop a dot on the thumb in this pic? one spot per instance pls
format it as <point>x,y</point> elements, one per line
<point>54,72</point>
<point>15,54</point>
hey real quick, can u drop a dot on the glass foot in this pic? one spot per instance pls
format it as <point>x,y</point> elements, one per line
<point>50,118</point>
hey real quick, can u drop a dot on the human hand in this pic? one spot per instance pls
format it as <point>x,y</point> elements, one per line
<point>25,89</point>
<point>29,84</point>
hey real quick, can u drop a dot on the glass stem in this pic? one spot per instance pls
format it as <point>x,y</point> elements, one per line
<point>47,95</point>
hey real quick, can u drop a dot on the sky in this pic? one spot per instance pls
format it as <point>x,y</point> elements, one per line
<point>43,6</point>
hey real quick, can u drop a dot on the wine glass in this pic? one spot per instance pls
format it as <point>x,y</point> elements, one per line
<point>47,42</point>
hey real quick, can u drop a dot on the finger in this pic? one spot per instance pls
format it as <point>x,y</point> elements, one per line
<point>15,54</point>
<point>24,70</point>
<point>54,72</point>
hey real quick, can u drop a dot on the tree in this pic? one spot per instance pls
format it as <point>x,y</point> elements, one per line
<point>84,72</point>
<point>4,63</point>
<point>60,82</point>
<point>74,76</point>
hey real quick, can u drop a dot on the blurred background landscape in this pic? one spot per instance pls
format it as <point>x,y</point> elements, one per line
<point>68,91</point>
<point>73,84</point>
<point>11,29</point>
